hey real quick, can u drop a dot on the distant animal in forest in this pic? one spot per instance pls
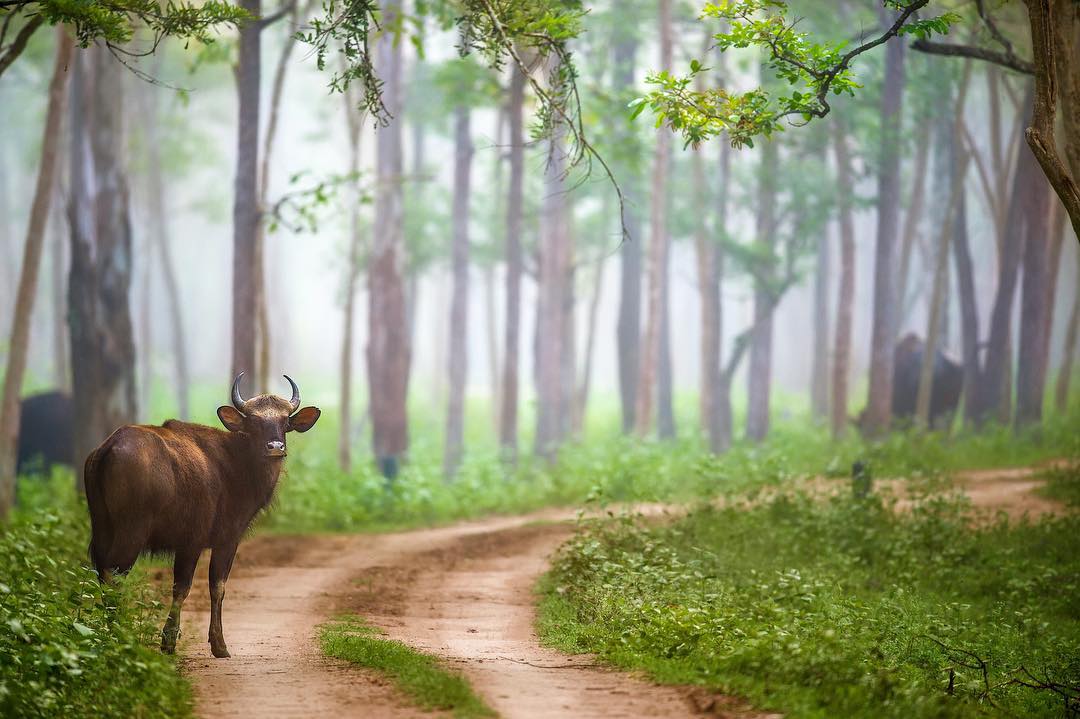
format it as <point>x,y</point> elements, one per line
<point>46,432</point>
<point>946,386</point>
<point>181,488</point>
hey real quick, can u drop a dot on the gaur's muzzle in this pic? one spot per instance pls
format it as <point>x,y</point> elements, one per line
<point>274,448</point>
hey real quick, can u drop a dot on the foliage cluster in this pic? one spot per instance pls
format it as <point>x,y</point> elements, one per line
<point>421,676</point>
<point>834,608</point>
<point>72,647</point>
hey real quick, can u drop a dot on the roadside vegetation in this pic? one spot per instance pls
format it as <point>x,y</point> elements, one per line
<point>421,677</point>
<point>70,647</point>
<point>834,608</point>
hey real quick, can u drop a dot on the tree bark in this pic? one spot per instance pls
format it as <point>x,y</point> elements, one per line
<point>246,211</point>
<point>354,121</point>
<point>19,344</point>
<point>459,298</point>
<point>759,377</point>
<point>102,349</point>
<point>508,412</point>
<point>658,252</point>
<point>879,400</point>
<point>845,300</point>
<point>628,328</point>
<point>388,351</point>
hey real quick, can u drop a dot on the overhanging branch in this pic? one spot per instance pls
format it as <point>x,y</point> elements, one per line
<point>1004,59</point>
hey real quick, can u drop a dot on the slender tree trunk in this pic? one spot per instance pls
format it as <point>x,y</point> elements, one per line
<point>1035,308</point>
<point>144,340</point>
<point>969,311</point>
<point>491,331</point>
<point>102,349</point>
<point>590,346</point>
<point>59,266</point>
<point>354,121</point>
<point>707,249</point>
<point>388,352</point>
<point>995,383</point>
<point>508,411</point>
<point>163,245</point>
<point>628,328</point>
<point>459,299</point>
<point>913,216</point>
<point>759,378</point>
<point>246,209</point>
<point>658,252</point>
<point>568,356</point>
<point>665,410</point>
<point>819,364</point>
<point>1065,372</point>
<point>845,300</point>
<point>28,275</point>
<point>879,400</point>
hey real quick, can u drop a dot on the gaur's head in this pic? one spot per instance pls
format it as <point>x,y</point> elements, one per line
<point>266,418</point>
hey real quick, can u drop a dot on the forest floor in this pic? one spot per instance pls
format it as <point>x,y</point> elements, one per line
<point>464,593</point>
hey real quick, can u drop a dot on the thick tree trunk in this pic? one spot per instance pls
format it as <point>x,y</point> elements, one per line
<point>246,209</point>
<point>354,121</point>
<point>388,350</point>
<point>879,400</point>
<point>1061,390</point>
<point>163,246</point>
<point>819,364</point>
<point>19,344</point>
<point>508,411</point>
<point>658,252</point>
<point>102,349</point>
<point>1035,308</point>
<point>845,300</point>
<point>759,378</point>
<point>628,327</point>
<point>459,298</point>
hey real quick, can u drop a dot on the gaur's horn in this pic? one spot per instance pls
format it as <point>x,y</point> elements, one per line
<point>237,400</point>
<point>295,401</point>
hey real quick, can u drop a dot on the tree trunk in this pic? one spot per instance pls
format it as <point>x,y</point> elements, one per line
<point>163,246</point>
<point>354,121</point>
<point>969,311</point>
<point>568,356</point>
<point>459,299</point>
<point>1066,370</point>
<point>102,349</point>
<point>59,266</point>
<point>759,378</point>
<point>819,365</point>
<point>28,275</point>
<point>388,351</point>
<point>246,209</point>
<point>845,300</point>
<point>995,382</point>
<point>913,216</point>
<point>491,326</point>
<point>879,400</point>
<point>508,411</point>
<point>665,410</point>
<point>590,346</point>
<point>1035,308</point>
<point>707,249</point>
<point>658,251</point>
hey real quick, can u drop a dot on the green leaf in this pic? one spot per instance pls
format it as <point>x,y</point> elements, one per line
<point>82,629</point>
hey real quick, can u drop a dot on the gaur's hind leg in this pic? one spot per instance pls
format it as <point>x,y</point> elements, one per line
<point>183,571</point>
<point>220,565</point>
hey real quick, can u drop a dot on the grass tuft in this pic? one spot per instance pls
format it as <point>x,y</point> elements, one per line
<point>420,676</point>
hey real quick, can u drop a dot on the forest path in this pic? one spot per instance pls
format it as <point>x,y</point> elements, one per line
<point>463,592</point>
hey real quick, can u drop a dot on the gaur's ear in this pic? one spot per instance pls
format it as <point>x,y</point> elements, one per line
<point>304,420</point>
<point>231,418</point>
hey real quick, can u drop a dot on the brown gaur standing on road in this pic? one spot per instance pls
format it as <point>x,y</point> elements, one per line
<point>181,488</point>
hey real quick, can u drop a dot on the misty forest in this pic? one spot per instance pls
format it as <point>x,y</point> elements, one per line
<point>539,358</point>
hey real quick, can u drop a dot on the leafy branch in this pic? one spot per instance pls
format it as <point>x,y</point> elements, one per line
<point>813,69</point>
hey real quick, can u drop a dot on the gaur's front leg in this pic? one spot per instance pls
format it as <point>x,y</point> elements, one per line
<point>183,571</point>
<point>220,565</point>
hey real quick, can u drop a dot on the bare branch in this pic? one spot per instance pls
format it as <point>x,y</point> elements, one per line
<point>19,43</point>
<point>1006,60</point>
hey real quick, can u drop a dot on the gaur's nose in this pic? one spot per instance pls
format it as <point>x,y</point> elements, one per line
<point>275,448</point>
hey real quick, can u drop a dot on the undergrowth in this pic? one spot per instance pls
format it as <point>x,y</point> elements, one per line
<point>835,608</point>
<point>422,677</point>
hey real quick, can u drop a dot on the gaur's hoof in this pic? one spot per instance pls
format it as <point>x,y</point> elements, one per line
<point>220,652</point>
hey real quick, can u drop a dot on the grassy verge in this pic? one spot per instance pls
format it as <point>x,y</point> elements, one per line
<point>1063,485</point>
<point>422,677</point>
<point>840,608</point>
<point>70,647</point>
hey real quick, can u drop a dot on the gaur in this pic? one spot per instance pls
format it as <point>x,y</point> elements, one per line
<point>46,432</point>
<point>181,488</point>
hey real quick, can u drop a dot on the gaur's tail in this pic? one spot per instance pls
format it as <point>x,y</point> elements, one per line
<point>101,529</point>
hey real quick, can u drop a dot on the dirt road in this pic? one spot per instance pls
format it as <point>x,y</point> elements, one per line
<point>462,592</point>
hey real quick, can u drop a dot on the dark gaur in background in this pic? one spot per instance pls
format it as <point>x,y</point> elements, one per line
<point>46,432</point>
<point>181,488</point>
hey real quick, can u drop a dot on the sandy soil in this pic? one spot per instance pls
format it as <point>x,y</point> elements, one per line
<point>464,593</point>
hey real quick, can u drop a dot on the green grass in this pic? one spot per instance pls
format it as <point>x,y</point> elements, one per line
<point>70,647</point>
<point>838,608</point>
<point>1063,485</point>
<point>422,677</point>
